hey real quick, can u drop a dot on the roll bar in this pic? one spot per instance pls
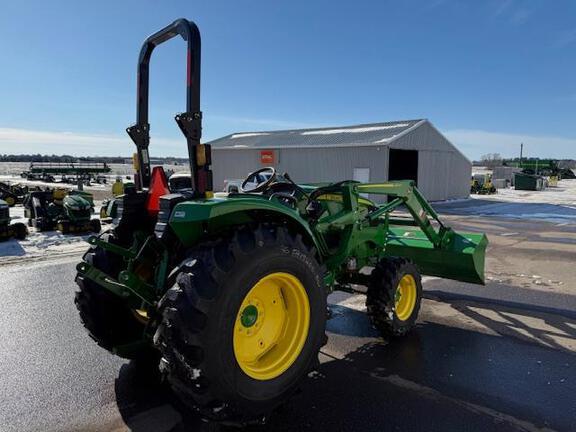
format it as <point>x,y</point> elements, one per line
<point>190,122</point>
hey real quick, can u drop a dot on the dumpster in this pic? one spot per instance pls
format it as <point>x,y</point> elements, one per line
<point>528,182</point>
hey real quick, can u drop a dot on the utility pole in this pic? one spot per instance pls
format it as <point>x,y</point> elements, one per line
<point>521,149</point>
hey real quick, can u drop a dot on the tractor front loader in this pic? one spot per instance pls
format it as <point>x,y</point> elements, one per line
<point>228,295</point>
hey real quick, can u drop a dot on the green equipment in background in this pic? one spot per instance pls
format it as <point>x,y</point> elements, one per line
<point>58,209</point>
<point>227,296</point>
<point>7,231</point>
<point>481,184</point>
<point>12,193</point>
<point>529,182</point>
<point>543,167</point>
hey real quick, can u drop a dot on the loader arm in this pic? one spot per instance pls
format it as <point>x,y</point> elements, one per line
<point>368,231</point>
<point>406,193</point>
<point>437,251</point>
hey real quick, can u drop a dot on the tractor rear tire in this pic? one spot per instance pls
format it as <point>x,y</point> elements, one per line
<point>231,292</point>
<point>394,296</point>
<point>108,320</point>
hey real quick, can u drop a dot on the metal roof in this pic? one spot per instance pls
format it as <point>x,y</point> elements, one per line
<point>378,134</point>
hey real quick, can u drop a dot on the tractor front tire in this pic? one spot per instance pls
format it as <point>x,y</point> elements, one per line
<point>394,296</point>
<point>244,323</point>
<point>112,324</point>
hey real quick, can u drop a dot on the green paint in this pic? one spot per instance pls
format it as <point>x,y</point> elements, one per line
<point>249,316</point>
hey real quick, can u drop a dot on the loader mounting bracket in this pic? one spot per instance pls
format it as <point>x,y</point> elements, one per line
<point>190,124</point>
<point>140,134</point>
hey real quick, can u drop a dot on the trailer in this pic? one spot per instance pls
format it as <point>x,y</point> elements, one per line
<point>69,168</point>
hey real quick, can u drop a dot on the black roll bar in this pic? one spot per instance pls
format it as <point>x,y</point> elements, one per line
<point>189,122</point>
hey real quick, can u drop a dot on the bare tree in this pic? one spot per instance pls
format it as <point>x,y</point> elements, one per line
<point>491,160</point>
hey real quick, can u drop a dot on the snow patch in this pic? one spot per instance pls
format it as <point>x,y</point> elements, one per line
<point>43,245</point>
<point>554,204</point>
<point>248,134</point>
<point>355,130</point>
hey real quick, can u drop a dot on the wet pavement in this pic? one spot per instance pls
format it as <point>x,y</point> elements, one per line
<point>459,370</point>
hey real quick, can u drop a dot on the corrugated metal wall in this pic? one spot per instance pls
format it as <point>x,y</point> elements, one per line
<point>443,172</point>
<point>303,165</point>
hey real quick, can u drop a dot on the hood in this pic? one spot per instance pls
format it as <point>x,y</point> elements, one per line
<point>76,202</point>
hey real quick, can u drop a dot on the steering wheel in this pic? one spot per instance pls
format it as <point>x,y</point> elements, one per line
<point>258,180</point>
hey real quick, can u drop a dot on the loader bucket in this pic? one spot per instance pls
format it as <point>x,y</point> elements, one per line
<point>461,259</point>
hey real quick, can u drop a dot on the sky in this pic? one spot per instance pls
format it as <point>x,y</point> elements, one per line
<point>489,74</point>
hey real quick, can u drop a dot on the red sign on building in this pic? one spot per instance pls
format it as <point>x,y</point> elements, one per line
<point>267,157</point>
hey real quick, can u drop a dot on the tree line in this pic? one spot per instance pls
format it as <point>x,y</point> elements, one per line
<point>69,158</point>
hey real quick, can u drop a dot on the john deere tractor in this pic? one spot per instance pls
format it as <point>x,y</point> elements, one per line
<point>481,184</point>
<point>65,211</point>
<point>228,295</point>
<point>12,193</point>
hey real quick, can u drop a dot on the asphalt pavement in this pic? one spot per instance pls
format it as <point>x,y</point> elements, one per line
<point>456,372</point>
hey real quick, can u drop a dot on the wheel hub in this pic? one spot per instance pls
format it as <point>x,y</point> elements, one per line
<point>249,316</point>
<point>405,297</point>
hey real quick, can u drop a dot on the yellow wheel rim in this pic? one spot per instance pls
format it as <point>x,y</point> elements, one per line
<point>10,201</point>
<point>405,299</point>
<point>271,326</point>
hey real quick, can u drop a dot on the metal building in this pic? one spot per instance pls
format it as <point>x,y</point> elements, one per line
<point>411,149</point>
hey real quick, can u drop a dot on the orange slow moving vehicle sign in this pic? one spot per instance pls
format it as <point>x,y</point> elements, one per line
<point>267,157</point>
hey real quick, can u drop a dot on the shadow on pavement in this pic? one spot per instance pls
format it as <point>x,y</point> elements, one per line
<point>500,294</point>
<point>438,378</point>
<point>11,248</point>
<point>349,322</point>
<point>534,324</point>
<point>146,404</point>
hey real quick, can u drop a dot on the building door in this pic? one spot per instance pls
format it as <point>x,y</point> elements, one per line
<point>403,165</point>
<point>362,175</point>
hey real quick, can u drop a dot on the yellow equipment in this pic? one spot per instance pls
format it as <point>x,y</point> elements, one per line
<point>118,187</point>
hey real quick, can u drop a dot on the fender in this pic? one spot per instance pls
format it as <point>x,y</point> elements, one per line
<point>190,219</point>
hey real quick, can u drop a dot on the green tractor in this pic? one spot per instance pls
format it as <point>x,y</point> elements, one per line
<point>227,296</point>
<point>481,184</point>
<point>67,212</point>
<point>7,230</point>
<point>12,194</point>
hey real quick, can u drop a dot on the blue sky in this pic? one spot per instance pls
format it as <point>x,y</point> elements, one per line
<point>489,74</point>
